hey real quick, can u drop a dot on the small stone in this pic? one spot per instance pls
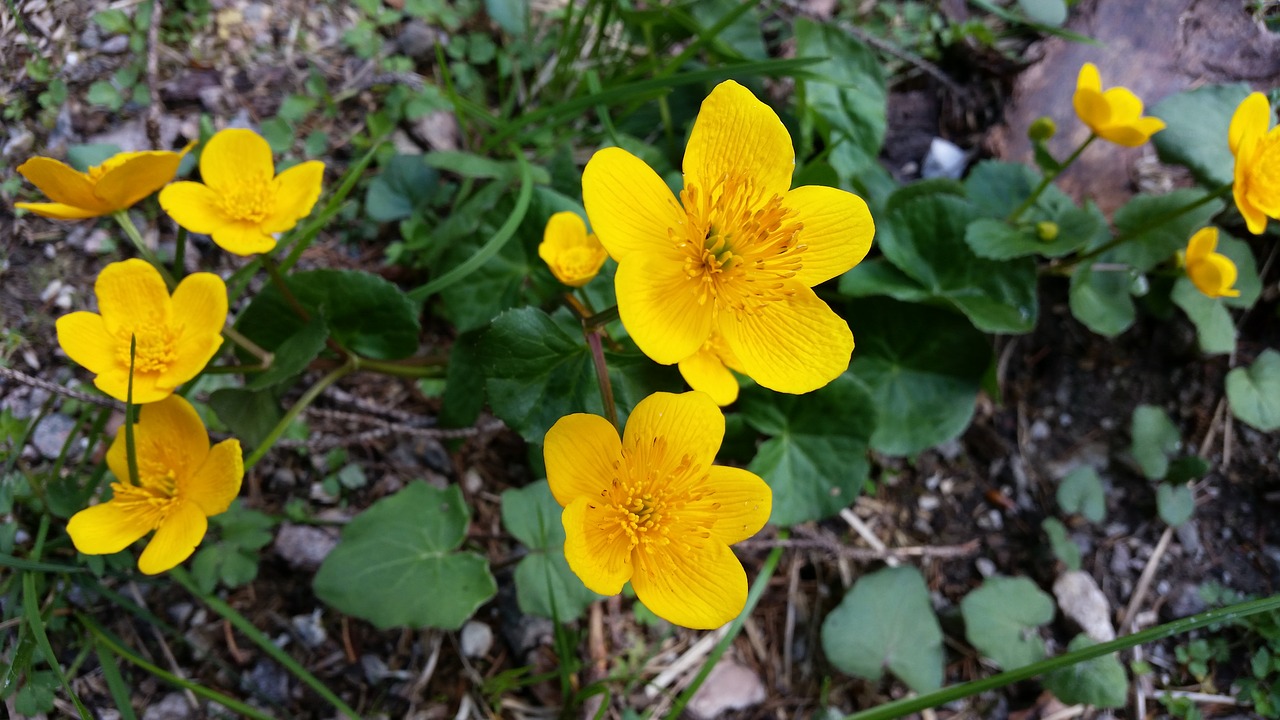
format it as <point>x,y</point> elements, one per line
<point>438,129</point>
<point>310,630</point>
<point>375,670</point>
<point>1183,600</point>
<point>986,567</point>
<point>1039,430</point>
<point>729,686</point>
<point>51,434</point>
<point>171,707</point>
<point>115,45</point>
<point>945,160</point>
<point>283,479</point>
<point>1081,600</point>
<point>1120,559</point>
<point>304,547</point>
<point>1189,538</point>
<point>417,40</point>
<point>22,405</point>
<point>180,613</point>
<point>476,639</point>
<point>19,142</point>
<point>268,680</point>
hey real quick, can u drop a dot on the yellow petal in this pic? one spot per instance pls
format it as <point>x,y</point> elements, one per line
<point>1131,134</point>
<point>1214,275</point>
<point>62,184</point>
<point>200,310</point>
<point>169,438</point>
<point>1251,119</point>
<point>1254,217</point>
<point>667,313</point>
<point>837,231</point>
<point>131,292</point>
<point>59,211</point>
<point>581,452</point>
<point>1091,108</point>
<point>240,238</point>
<point>736,135</point>
<point>217,481</point>
<point>737,507</point>
<point>689,423</point>
<point>296,190</point>
<point>138,176</point>
<point>107,528</point>
<point>701,589</point>
<point>1089,79</point>
<point>705,372</point>
<point>1125,106</point>
<point>177,537</point>
<point>629,206</point>
<point>145,388</point>
<point>233,155</point>
<point>84,338</point>
<point>194,206</point>
<point>791,346</point>
<point>1203,242</point>
<point>598,554</point>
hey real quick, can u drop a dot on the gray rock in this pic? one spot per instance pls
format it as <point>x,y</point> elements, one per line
<point>1120,560</point>
<point>304,547</point>
<point>268,680</point>
<point>1081,600</point>
<point>170,707</point>
<point>115,45</point>
<point>476,639</point>
<point>22,403</point>
<point>945,160</point>
<point>19,142</point>
<point>309,629</point>
<point>1183,600</point>
<point>1189,538</point>
<point>51,434</point>
<point>418,40</point>
<point>730,686</point>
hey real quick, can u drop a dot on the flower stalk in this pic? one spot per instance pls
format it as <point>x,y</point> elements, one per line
<point>1170,216</point>
<point>303,402</point>
<point>126,223</point>
<point>1048,179</point>
<point>602,374</point>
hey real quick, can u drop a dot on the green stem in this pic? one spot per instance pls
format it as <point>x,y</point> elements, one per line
<point>264,356</point>
<point>35,621</point>
<point>1049,178</point>
<point>180,253</point>
<point>262,641</point>
<point>307,398</point>
<point>131,449</point>
<point>602,318</point>
<point>753,597</point>
<point>1125,237</point>
<point>899,708</point>
<point>403,369</point>
<point>126,223</point>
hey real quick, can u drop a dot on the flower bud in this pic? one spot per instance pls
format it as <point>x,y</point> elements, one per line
<point>1047,231</point>
<point>1042,129</point>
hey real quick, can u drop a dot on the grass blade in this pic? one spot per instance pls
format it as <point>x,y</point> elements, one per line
<point>35,621</point>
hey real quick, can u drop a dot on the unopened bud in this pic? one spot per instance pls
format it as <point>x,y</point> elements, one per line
<point>1042,129</point>
<point>1047,231</point>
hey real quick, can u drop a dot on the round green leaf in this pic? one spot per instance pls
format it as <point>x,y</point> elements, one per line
<point>1155,439</point>
<point>1101,302</point>
<point>1215,329</point>
<point>545,586</point>
<point>1157,235</point>
<point>404,185</point>
<point>923,366</point>
<point>1064,548</point>
<point>1100,682</point>
<point>397,563</point>
<point>1081,492</point>
<point>1002,618</point>
<point>846,93</point>
<point>1045,12</point>
<point>886,621</point>
<point>1174,503</point>
<point>1196,130</point>
<point>1254,392</point>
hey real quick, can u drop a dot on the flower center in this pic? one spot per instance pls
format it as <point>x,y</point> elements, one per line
<point>153,499</point>
<point>97,171</point>
<point>252,198</point>
<point>739,247</point>
<point>154,349</point>
<point>646,502</point>
<point>579,261</point>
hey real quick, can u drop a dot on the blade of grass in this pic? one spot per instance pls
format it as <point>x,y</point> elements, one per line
<point>18,563</point>
<point>115,683</point>
<point>260,639</point>
<point>35,621</point>
<point>19,662</point>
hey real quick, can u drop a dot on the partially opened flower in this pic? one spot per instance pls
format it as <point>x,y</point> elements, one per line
<point>652,509</point>
<point>1114,115</point>
<point>1212,273</point>
<point>573,256</point>
<point>708,371</point>
<point>181,482</point>
<point>739,252</point>
<point>120,181</point>
<point>1256,147</point>
<point>242,202</point>
<point>175,336</point>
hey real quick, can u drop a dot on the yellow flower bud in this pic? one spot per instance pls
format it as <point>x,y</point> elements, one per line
<point>573,256</point>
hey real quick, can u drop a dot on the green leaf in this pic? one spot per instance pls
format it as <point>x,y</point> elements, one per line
<point>1100,682</point>
<point>397,563</point>
<point>464,382</point>
<point>1254,392</point>
<point>1064,548</point>
<point>545,586</point>
<point>880,277</point>
<point>510,15</point>
<point>83,157</point>
<point>1166,234</point>
<point>1196,130</point>
<point>248,414</point>
<point>278,134</point>
<point>743,36</point>
<point>816,462</point>
<point>997,188</point>
<point>404,185</point>
<point>924,383</point>
<point>1100,300</point>
<point>1174,503</point>
<point>1187,468</point>
<point>293,355</point>
<point>1247,280</point>
<point>886,621</point>
<point>1155,439</point>
<point>365,313</point>
<point>846,93</point>
<point>1046,12</point>
<point>1081,492</point>
<point>105,94</point>
<point>470,165</point>
<point>1002,618</point>
<point>494,287</point>
<point>1215,330</point>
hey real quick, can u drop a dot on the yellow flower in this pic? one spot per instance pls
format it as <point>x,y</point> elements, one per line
<point>119,182</point>
<point>1213,273</point>
<point>573,256</point>
<point>652,509</point>
<point>707,370</point>
<point>1114,115</point>
<point>176,336</point>
<point>1256,147</point>
<point>182,482</point>
<point>242,201</point>
<point>739,252</point>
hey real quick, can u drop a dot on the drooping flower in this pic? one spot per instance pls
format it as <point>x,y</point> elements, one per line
<point>708,371</point>
<point>1256,147</point>
<point>175,336</point>
<point>120,181</point>
<point>242,202</point>
<point>1212,273</point>
<point>652,509</point>
<point>573,256</point>
<point>1114,115</point>
<point>739,252</point>
<point>181,483</point>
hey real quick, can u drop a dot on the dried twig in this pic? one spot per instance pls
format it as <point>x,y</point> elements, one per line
<point>35,382</point>
<point>1144,580</point>
<point>865,554</point>
<point>154,109</point>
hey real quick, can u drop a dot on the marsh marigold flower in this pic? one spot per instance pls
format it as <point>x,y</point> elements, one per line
<point>1212,273</point>
<point>1256,147</point>
<point>739,252</point>
<point>175,336</point>
<point>573,256</point>
<point>181,482</point>
<point>242,202</point>
<point>116,184</point>
<point>707,371</point>
<point>1114,115</point>
<point>652,509</point>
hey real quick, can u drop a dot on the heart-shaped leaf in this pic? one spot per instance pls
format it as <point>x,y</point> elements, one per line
<point>1254,392</point>
<point>545,586</point>
<point>1002,618</point>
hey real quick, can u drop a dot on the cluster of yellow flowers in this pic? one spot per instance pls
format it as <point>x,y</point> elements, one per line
<point>145,342</point>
